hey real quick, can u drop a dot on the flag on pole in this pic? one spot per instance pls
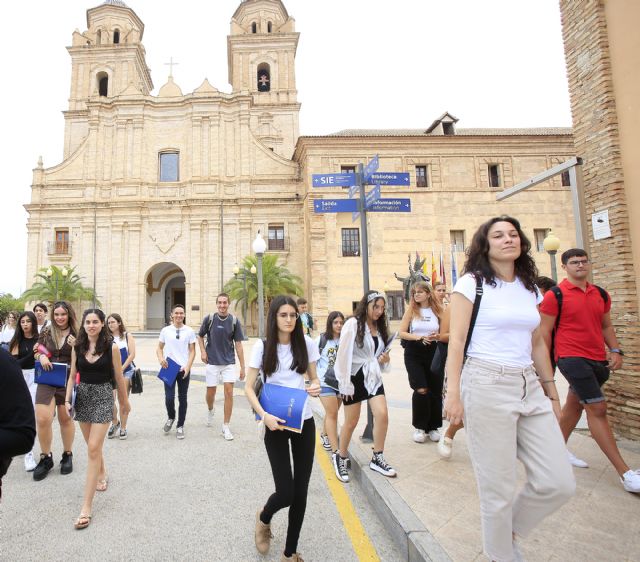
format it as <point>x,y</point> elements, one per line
<point>434,273</point>
<point>454,269</point>
<point>424,265</point>
<point>443,275</point>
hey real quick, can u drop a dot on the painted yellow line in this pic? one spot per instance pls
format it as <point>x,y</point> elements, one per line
<point>359,539</point>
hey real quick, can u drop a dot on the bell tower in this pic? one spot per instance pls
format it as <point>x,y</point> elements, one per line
<point>106,59</point>
<point>261,52</point>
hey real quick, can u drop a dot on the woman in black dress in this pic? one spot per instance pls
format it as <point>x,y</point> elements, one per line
<point>94,361</point>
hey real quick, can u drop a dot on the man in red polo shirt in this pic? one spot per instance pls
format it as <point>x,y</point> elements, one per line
<point>584,329</point>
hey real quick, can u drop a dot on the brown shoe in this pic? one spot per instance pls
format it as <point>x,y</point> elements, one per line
<point>263,535</point>
<point>295,557</point>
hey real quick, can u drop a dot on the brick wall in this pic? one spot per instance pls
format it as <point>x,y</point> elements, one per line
<point>596,138</point>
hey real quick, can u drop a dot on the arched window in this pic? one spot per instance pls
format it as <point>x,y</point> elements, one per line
<point>99,37</point>
<point>116,36</point>
<point>264,78</point>
<point>103,84</point>
<point>269,27</point>
<point>254,27</point>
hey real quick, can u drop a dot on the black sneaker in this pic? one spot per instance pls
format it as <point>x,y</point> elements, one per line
<point>324,438</point>
<point>43,468</point>
<point>66,463</point>
<point>380,465</point>
<point>113,430</point>
<point>340,467</point>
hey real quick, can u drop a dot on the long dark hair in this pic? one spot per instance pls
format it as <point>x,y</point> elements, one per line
<point>104,337</point>
<point>360,315</point>
<point>19,336</point>
<point>478,263</point>
<point>298,343</point>
<point>328,331</point>
<point>121,327</point>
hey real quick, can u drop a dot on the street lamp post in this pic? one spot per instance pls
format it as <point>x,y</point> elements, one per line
<point>259,247</point>
<point>551,245</point>
<point>236,273</point>
<point>64,274</point>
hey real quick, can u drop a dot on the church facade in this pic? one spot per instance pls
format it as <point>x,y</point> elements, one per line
<point>158,197</point>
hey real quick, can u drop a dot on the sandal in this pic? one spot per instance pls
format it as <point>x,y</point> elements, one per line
<point>102,485</point>
<point>82,522</point>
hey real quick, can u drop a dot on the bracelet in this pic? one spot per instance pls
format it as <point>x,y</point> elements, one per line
<point>547,381</point>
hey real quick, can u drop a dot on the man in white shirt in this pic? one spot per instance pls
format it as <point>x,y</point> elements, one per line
<point>178,342</point>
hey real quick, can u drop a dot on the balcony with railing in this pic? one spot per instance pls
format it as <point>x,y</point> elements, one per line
<point>60,248</point>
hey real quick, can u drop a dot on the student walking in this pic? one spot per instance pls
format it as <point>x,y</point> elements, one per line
<point>499,388</point>
<point>224,338</point>
<point>178,342</point>
<point>96,358</point>
<point>329,395</point>
<point>57,341</point>
<point>21,347</point>
<point>419,328</point>
<point>284,359</point>
<point>41,310</point>
<point>580,314</point>
<point>361,357</point>
<point>124,340</point>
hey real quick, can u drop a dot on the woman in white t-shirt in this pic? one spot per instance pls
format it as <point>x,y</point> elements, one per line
<point>496,389</point>
<point>283,359</point>
<point>124,340</point>
<point>420,331</point>
<point>9,328</point>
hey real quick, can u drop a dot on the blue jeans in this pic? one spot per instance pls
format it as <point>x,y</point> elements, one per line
<point>170,396</point>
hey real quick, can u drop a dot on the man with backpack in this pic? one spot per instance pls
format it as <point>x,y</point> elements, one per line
<point>576,321</point>
<point>224,338</point>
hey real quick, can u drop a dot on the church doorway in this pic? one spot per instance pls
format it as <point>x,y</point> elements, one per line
<point>165,288</point>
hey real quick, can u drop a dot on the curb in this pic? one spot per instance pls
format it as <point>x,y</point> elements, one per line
<point>409,533</point>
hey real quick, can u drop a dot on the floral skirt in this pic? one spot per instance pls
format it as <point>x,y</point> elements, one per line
<point>94,403</point>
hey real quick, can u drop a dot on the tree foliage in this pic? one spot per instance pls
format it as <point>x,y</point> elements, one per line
<point>277,280</point>
<point>8,303</point>
<point>56,287</point>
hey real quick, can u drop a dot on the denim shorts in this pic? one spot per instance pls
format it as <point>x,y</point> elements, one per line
<point>585,377</point>
<point>328,391</point>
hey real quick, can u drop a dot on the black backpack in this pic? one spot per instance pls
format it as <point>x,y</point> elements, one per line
<point>558,293</point>
<point>234,322</point>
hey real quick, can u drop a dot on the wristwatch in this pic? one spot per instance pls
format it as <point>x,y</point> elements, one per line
<point>617,350</point>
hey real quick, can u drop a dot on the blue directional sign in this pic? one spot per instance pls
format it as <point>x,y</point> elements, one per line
<point>389,178</point>
<point>372,196</point>
<point>371,167</point>
<point>354,190</point>
<point>335,205</point>
<point>333,180</point>
<point>398,205</point>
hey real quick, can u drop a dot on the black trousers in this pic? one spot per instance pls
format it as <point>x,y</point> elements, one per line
<point>426,408</point>
<point>291,487</point>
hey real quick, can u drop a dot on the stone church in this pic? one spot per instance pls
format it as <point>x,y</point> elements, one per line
<point>158,197</point>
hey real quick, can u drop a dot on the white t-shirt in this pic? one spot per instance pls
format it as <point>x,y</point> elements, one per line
<point>426,324</point>
<point>121,342</point>
<point>507,318</point>
<point>174,347</point>
<point>284,375</point>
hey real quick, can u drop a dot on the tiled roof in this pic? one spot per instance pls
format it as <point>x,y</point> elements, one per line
<point>459,132</point>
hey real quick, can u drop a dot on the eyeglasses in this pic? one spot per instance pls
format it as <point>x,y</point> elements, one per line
<point>577,263</point>
<point>285,315</point>
<point>177,334</point>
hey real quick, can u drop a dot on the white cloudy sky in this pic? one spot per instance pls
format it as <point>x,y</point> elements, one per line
<point>360,64</point>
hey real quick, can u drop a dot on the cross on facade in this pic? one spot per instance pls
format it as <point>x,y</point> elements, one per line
<point>171,64</point>
<point>263,80</point>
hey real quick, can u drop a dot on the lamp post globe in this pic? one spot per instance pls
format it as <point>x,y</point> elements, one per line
<point>259,247</point>
<point>236,270</point>
<point>253,270</point>
<point>551,245</point>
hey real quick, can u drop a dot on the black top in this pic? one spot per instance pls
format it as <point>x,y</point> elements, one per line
<point>98,372</point>
<point>58,355</point>
<point>25,356</point>
<point>17,419</point>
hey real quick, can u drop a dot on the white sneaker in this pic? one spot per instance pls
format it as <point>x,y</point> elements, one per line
<point>419,436</point>
<point>631,481</point>
<point>326,444</point>
<point>210,413</point>
<point>445,447</point>
<point>226,432</point>
<point>575,461</point>
<point>180,433</point>
<point>434,435</point>
<point>29,462</point>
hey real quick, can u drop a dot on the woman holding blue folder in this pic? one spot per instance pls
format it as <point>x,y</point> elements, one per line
<point>283,359</point>
<point>127,345</point>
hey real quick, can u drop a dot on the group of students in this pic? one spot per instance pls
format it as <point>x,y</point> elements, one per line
<point>92,358</point>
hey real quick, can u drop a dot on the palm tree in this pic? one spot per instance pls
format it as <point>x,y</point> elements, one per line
<point>54,284</point>
<point>277,280</point>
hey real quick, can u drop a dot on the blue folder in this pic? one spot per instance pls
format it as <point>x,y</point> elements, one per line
<point>123,354</point>
<point>55,377</point>
<point>285,403</point>
<point>169,374</point>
